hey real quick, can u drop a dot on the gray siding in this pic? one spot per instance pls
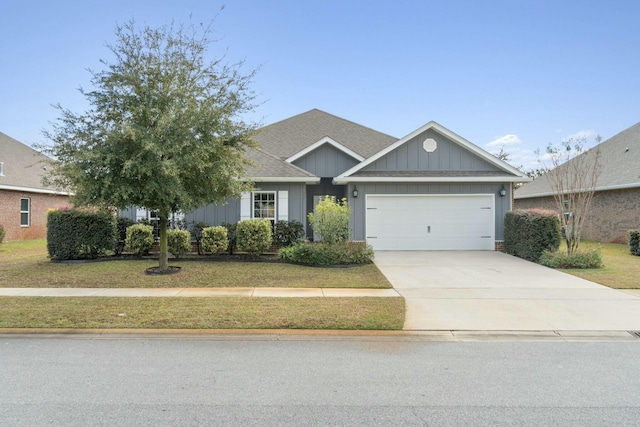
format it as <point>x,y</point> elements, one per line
<point>448,156</point>
<point>230,212</point>
<point>358,213</point>
<point>326,161</point>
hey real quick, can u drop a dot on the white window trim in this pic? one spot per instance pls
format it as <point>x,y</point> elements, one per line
<point>275,205</point>
<point>28,212</point>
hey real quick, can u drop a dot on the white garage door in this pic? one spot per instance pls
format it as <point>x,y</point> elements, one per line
<point>430,222</point>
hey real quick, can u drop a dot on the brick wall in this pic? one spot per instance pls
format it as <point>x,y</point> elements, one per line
<point>612,214</point>
<point>40,204</point>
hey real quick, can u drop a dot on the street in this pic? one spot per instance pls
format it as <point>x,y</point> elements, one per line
<point>105,380</point>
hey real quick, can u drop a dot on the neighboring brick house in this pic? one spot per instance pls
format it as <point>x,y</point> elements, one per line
<point>24,201</point>
<point>616,203</point>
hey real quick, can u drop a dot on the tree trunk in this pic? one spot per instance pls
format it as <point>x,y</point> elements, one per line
<point>164,255</point>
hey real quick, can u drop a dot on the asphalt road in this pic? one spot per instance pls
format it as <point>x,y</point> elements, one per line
<point>112,381</point>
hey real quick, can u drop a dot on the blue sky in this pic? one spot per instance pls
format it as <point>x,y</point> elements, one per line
<point>520,73</point>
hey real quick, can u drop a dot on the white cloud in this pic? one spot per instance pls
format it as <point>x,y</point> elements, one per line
<point>507,140</point>
<point>583,134</point>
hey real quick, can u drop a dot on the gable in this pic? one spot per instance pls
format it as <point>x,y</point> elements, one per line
<point>22,167</point>
<point>443,154</point>
<point>326,161</point>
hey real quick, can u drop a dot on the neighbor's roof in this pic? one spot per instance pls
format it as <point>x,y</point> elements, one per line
<point>620,166</point>
<point>290,136</point>
<point>22,167</point>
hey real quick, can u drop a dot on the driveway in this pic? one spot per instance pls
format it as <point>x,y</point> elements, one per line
<point>493,291</point>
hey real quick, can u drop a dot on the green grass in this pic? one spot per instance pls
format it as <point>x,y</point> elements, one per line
<point>621,269</point>
<point>25,264</point>
<point>203,313</point>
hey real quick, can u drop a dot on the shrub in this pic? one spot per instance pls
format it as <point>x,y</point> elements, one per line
<point>196,234</point>
<point>1,233</point>
<point>139,239</point>
<point>528,233</point>
<point>321,253</point>
<point>286,233</point>
<point>214,240</point>
<point>122,224</point>
<point>80,233</point>
<point>586,259</point>
<point>330,220</point>
<point>634,242</point>
<point>253,236</point>
<point>231,235</point>
<point>178,242</point>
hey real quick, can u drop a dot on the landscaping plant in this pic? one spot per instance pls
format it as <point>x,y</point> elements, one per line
<point>80,233</point>
<point>253,236</point>
<point>139,239</point>
<point>582,259</point>
<point>528,233</point>
<point>214,240</point>
<point>634,242</point>
<point>286,233</point>
<point>321,253</point>
<point>330,220</point>
<point>179,242</point>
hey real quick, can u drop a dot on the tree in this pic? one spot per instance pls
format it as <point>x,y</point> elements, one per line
<point>163,130</point>
<point>573,177</point>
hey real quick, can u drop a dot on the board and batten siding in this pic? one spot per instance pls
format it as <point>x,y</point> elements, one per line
<point>326,161</point>
<point>448,156</point>
<point>358,208</point>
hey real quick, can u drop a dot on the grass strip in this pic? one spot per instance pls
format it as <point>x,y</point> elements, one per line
<point>364,313</point>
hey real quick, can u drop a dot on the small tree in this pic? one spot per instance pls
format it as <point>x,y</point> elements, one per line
<point>573,176</point>
<point>330,220</point>
<point>164,130</point>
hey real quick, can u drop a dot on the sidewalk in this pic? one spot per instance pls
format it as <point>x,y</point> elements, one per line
<point>198,292</point>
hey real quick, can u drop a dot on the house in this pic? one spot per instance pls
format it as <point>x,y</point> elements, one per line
<point>24,201</point>
<point>615,207</point>
<point>431,190</point>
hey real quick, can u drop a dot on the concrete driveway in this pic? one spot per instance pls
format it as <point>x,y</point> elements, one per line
<point>493,291</point>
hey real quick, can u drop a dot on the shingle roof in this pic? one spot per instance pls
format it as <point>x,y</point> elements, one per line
<point>619,160</point>
<point>22,165</point>
<point>290,136</point>
<point>267,165</point>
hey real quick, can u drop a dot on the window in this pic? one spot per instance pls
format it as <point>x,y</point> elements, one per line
<point>25,212</point>
<point>264,205</point>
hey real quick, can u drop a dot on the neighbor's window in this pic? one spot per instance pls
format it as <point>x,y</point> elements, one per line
<point>1,169</point>
<point>264,205</point>
<point>25,212</point>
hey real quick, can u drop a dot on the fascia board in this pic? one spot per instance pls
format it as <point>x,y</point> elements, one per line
<point>325,140</point>
<point>350,179</point>
<point>34,190</point>
<point>446,132</point>
<point>297,179</point>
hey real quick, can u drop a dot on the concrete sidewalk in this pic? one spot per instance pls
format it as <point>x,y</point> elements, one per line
<point>198,292</point>
<point>493,291</point>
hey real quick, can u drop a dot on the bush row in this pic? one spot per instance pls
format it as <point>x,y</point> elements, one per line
<point>528,233</point>
<point>322,253</point>
<point>634,242</point>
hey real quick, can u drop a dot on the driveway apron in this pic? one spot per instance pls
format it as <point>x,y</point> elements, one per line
<point>493,291</point>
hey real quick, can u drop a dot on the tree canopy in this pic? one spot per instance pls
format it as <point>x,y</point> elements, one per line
<point>164,130</point>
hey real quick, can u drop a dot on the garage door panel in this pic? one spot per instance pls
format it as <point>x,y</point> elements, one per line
<point>430,222</point>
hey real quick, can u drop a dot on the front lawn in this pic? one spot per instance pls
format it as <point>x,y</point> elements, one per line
<point>621,269</point>
<point>203,313</point>
<point>25,264</point>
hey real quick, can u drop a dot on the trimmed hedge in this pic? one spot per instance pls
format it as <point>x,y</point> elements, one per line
<point>587,259</point>
<point>320,253</point>
<point>253,236</point>
<point>214,240</point>
<point>286,233</point>
<point>139,239</point>
<point>178,242</point>
<point>528,233</point>
<point>634,242</point>
<point>80,233</point>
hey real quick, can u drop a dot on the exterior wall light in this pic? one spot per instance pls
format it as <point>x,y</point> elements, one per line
<point>503,191</point>
<point>355,192</point>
